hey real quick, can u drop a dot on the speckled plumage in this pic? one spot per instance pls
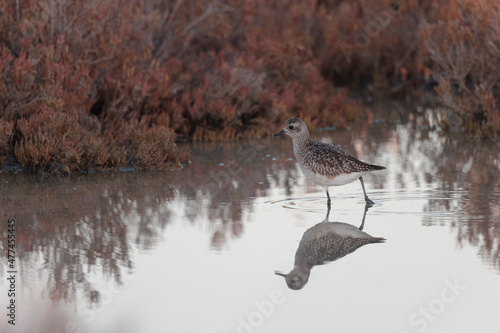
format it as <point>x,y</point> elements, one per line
<point>325,242</point>
<point>322,163</point>
<point>330,241</point>
<point>329,160</point>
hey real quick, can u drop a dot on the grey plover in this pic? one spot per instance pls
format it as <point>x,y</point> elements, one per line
<point>325,242</point>
<point>324,164</point>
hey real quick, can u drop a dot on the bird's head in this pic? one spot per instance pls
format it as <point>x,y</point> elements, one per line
<point>296,279</point>
<point>294,127</point>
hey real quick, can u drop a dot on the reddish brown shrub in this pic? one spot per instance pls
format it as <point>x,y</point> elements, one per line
<point>6,129</point>
<point>209,70</point>
<point>465,48</point>
<point>372,44</point>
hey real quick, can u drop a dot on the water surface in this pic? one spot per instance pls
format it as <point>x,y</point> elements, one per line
<point>196,250</point>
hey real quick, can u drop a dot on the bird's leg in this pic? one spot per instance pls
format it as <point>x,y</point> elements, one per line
<point>327,217</point>
<point>364,216</point>
<point>328,202</point>
<point>369,203</point>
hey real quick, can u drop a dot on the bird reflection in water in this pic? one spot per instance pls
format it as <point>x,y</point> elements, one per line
<point>325,242</point>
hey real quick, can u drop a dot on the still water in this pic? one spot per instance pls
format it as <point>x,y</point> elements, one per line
<point>197,250</point>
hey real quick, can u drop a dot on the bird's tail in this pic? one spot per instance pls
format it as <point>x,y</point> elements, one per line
<point>376,167</point>
<point>379,240</point>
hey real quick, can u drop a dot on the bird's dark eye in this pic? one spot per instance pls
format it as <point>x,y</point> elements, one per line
<point>290,126</point>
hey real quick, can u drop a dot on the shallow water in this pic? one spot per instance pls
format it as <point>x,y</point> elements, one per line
<point>197,250</point>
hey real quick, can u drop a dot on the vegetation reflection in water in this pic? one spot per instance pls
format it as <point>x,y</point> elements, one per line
<point>83,225</point>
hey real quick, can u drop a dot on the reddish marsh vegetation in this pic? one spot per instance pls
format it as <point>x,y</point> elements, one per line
<point>104,84</point>
<point>464,47</point>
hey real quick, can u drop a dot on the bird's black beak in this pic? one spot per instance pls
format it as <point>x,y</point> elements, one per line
<point>279,133</point>
<point>279,273</point>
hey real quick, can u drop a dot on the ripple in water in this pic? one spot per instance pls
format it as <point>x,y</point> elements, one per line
<point>399,201</point>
